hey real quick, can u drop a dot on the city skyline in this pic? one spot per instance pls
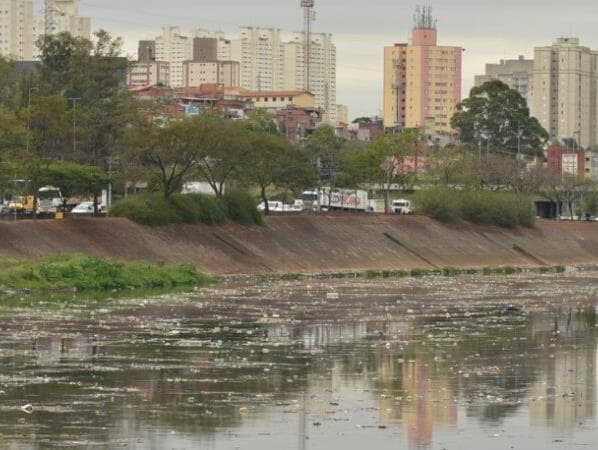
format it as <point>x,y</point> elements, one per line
<point>361,33</point>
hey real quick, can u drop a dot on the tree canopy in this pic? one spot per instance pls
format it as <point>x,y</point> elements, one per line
<point>497,118</point>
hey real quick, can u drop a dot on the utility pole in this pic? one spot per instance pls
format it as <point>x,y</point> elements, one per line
<point>74,100</point>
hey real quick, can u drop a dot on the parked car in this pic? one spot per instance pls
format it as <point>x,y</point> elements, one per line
<point>277,206</point>
<point>4,209</point>
<point>85,208</point>
<point>401,206</point>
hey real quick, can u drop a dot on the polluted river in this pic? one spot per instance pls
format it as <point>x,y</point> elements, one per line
<point>468,362</point>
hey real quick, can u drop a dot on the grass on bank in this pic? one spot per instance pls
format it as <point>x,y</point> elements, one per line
<point>505,209</point>
<point>154,210</point>
<point>88,273</point>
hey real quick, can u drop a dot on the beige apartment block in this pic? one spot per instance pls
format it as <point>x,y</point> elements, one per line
<point>518,74</point>
<point>175,48</point>
<point>63,16</point>
<point>148,73</point>
<point>422,80</point>
<point>196,73</point>
<point>322,70</point>
<point>16,29</point>
<point>342,114</point>
<point>565,91</point>
<point>260,53</point>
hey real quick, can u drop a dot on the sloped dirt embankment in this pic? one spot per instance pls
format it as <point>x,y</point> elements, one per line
<point>310,244</point>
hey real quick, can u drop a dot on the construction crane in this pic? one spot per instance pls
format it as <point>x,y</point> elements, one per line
<point>308,18</point>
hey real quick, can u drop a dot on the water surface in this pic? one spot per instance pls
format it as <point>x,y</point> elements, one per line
<point>435,363</point>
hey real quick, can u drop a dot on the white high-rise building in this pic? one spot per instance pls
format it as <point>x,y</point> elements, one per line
<point>565,91</point>
<point>260,52</point>
<point>63,16</point>
<point>16,29</point>
<point>322,69</point>
<point>269,63</point>
<point>174,48</point>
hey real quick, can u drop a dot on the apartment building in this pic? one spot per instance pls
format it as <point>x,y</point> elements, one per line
<point>148,73</point>
<point>260,52</point>
<point>16,29</point>
<point>196,73</point>
<point>175,48</point>
<point>566,91</point>
<point>322,70</point>
<point>259,59</point>
<point>63,16</point>
<point>422,80</point>
<point>518,74</point>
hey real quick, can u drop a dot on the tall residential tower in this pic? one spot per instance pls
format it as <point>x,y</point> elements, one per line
<point>422,80</point>
<point>16,29</point>
<point>566,91</point>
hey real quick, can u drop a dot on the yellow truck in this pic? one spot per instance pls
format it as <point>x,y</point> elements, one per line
<point>21,204</point>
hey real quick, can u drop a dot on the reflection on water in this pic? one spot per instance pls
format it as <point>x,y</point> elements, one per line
<point>463,363</point>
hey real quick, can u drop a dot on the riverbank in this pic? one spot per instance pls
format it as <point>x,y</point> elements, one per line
<point>311,244</point>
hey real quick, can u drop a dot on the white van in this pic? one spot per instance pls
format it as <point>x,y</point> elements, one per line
<point>401,206</point>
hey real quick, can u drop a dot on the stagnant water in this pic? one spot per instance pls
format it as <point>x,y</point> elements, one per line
<point>439,363</point>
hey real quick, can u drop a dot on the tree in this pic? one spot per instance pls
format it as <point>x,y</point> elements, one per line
<point>168,151</point>
<point>51,130</point>
<point>384,160</point>
<point>223,148</point>
<point>496,117</point>
<point>325,150</point>
<point>76,180</point>
<point>267,162</point>
<point>91,76</point>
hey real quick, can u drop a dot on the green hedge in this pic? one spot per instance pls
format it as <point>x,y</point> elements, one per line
<point>154,210</point>
<point>505,209</point>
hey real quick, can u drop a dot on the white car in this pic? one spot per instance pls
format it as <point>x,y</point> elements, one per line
<point>401,206</point>
<point>85,208</point>
<point>277,206</point>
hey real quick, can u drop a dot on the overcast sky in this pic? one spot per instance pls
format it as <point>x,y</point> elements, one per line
<point>487,29</point>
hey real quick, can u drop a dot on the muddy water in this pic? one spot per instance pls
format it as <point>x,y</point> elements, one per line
<point>464,363</point>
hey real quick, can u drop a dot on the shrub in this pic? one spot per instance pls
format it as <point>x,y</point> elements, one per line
<point>505,209</point>
<point>241,207</point>
<point>371,274</point>
<point>421,272</point>
<point>451,271</point>
<point>154,210</point>
<point>439,203</point>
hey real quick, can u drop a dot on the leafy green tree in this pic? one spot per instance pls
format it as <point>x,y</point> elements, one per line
<point>76,180</point>
<point>383,161</point>
<point>91,76</point>
<point>50,126</point>
<point>267,162</point>
<point>325,148</point>
<point>496,117</point>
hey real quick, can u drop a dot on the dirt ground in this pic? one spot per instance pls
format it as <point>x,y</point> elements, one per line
<point>310,244</point>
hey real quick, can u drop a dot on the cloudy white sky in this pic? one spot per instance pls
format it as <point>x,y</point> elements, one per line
<point>487,29</point>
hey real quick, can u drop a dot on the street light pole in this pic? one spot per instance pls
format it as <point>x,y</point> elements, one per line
<point>31,89</point>
<point>74,100</point>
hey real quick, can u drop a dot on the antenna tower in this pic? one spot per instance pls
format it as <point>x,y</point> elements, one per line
<point>308,18</point>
